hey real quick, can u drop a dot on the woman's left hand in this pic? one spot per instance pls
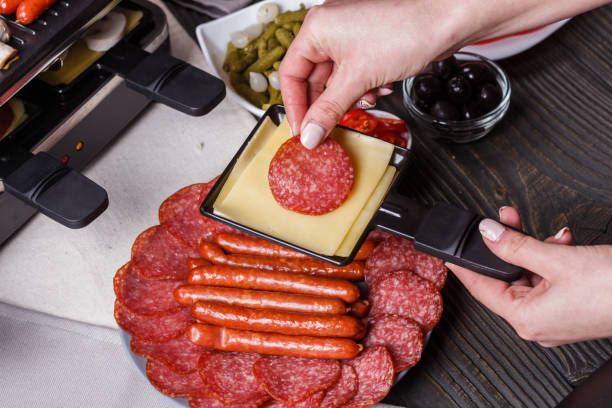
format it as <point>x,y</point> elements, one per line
<point>566,295</point>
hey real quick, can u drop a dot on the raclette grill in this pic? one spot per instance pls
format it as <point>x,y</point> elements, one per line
<point>69,124</point>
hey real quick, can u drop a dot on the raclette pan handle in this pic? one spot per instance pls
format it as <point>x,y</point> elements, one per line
<point>447,232</point>
<point>165,79</point>
<point>56,190</point>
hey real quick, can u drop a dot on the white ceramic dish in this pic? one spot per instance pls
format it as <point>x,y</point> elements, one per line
<point>213,37</point>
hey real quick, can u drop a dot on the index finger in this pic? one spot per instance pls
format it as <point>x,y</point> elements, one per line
<point>295,69</point>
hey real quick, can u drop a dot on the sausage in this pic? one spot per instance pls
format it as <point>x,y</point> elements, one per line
<point>8,7</point>
<point>222,338</point>
<point>274,321</point>
<point>246,245</point>
<point>359,309</point>
<point>248,278</point>
<point>30,10</point>
<point>193,263</point>
<point>257,299</point>
<point>214,253</point>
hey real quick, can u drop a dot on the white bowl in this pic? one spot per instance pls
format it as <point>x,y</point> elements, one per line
<point>213,37</point>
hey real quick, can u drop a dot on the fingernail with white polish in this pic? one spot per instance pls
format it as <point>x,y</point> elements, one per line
<point>491,229</point>
<point>312,134</point>
<point>561,232</point>
<point>363,104</point>
<point>382,91</point>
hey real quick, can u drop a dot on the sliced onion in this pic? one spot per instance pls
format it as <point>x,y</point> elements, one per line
<point>267,13</point>
<point>240,39</point>
<point>274,80</point>
<point>258,82</point>
<point>106,32</point>
<point>254,30</point>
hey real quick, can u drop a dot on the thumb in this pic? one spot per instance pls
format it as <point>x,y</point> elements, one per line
<point>327,110</point>
<point>520,249</point>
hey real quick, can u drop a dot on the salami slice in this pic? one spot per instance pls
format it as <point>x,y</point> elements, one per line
<point>379,235</point>
<point>292,379</point>
<point>175,384</point>
<point>405,294</point>
<point>231,379</point>
<point>181,212</point>
<point>152,328</point>
<point>145,297</point>
<point>179,353</point>
<point>159,255</point>
<point>313,181</point>
<point>395,253</point>
<point>344,390</point>
<point>403,338</point>
<point>314,401</point>
<point>375,376</point>
<point>211,403</point>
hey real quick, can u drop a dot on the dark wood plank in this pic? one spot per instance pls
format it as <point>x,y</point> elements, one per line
<point>550,157</point>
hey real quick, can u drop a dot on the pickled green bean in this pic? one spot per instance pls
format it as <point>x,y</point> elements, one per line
<point>276,65</point>
<point>296,28</point>
<point>285,37</point>
<point>262,47</point>
<point>290,17</point>
<point>269,31</point>
<point>272,43</point>
<point>266,61</point>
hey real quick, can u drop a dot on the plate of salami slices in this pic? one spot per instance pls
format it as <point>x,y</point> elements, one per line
<point>193,342</point>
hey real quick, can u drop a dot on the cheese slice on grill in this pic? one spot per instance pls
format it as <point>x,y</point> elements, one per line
<point>246,197</point>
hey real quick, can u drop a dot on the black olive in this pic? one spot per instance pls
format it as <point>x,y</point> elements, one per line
<point>489,96</point>
<point>477,73</point>
<point>471,110</point>
<point>427,88</point>
<point>445,68</point>
<point>444,110</point>
<point>458,89</point>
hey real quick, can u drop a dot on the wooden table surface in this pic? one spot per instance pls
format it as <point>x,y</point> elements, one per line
<point>551,157</point>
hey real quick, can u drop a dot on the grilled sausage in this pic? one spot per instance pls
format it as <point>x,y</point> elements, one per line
<point>30,10</point>
<point>8,7</point>
<point>246,245</point>
<point>193,263</point>
<point>214,253</point>
<point>248,278</point>
<point>221,338</point>
<point>360,308</point>
<point>274,321</point>
<point>257,299</point>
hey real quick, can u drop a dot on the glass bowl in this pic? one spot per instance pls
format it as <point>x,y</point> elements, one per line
<point>459,131</point>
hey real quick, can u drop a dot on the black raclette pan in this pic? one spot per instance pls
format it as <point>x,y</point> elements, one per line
<point>442,230</point>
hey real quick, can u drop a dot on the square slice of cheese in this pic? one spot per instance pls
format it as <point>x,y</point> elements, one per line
<point>246,197</point>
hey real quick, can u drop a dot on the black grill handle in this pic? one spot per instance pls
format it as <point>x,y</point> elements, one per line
<point>165,79</point>
<point>56,190</point>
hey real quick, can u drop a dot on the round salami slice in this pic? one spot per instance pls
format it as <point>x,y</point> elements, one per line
<point>179,353</point>
<point>292,379</point>
<point>405,294</point>
<point>231,379</point>
<point>159,255</point>
<point>145,297</point>
<point>181,212</point>
<point>313,181</point>
<point>375,376</point>
<point>379,235</point>
<point>402,336</point>
<point>344,390</point>
<point>395,253</point>
<point>212,403</point>
<point>314,401</point>
<point>152,328</point>
<point>175,384</point>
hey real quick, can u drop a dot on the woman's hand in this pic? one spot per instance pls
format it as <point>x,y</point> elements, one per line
<point>347,48</point>
<point>565,297</point>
